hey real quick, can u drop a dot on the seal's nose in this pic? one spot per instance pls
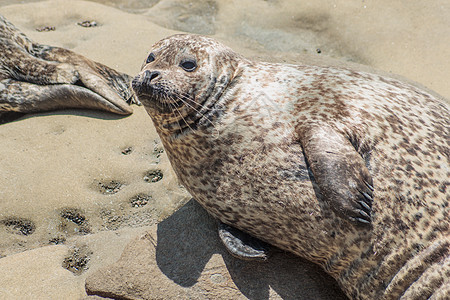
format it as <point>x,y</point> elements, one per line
<point>149,76</point>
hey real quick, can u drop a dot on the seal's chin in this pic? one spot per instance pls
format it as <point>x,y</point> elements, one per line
<point>153,105</point>
<point>173,111</point>
<point>152,97</point>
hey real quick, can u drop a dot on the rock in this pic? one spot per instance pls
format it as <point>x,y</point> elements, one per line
<point>37,274</point>
<point>182,258</point>
<point>44,273</point>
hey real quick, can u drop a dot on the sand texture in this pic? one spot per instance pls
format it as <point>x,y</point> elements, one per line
<point>77,186</point>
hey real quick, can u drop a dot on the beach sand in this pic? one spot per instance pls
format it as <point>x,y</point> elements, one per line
<point>74,178</point>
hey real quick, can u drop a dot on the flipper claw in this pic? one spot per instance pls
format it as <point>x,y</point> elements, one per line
<point>339,170</point>
<point>365,206</point>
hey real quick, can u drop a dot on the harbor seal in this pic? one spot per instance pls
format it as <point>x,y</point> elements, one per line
<point>345,168</point>
<point>35,77</point>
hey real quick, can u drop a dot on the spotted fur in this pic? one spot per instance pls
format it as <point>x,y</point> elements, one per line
<point>238,140</point>
<point>35,77</point>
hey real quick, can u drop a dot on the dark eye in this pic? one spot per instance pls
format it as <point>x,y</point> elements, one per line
<point>188,65</point>
<point>150,58</point>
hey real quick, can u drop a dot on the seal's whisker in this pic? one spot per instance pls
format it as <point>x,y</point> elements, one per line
<point>181,115</point>
<point>166,88</point>
<point>202,106</point>
<point>180,128</point>
<point>175,116</point>
<point>168,104</point>
<point>199,112</point>
<point>164,98</point>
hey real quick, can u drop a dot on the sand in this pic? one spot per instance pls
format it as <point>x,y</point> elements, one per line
<point>71,175</point>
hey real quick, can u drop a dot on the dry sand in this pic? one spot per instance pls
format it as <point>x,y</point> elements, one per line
<point>67,176</point>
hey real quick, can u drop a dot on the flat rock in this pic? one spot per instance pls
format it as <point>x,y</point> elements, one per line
<point>49,272</point>
<point>183,258</point>
<point>31,275</point>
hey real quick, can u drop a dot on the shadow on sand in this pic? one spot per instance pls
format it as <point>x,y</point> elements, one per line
<point>188,239</point>
<point>7,117</point>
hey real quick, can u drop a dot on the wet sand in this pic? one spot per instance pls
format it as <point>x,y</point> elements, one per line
<point>70,175</point>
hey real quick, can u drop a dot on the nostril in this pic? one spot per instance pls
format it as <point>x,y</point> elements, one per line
<point>150,75</point>
<point>153,75</point>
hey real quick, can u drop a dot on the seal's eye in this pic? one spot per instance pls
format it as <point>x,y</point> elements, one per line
<point>188,65</point>
<point>150,58</point>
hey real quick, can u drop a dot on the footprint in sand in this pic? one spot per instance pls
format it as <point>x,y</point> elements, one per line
<point>127,150</point>
<point>140,200</point>
<point>73,221</point>
<point>19,226</point>
<point>153,176</point>
<point>77,260</point>
<point>110,187</point>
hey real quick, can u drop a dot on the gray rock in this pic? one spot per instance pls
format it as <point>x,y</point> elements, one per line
<point>182,257</point>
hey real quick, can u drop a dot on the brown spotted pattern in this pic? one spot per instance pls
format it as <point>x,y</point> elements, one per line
<point>237,138</point>
<point>35,77</point>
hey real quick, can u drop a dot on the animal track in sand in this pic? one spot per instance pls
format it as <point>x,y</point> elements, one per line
<point>17,225</point>
<point>153,176</point>
<point>74,221</point>
<point>127,150</point>
<point>110,187</point>
<point>140,200</point>
<point>77,260</point>
<point>157,150</point>
<point>57,240</point>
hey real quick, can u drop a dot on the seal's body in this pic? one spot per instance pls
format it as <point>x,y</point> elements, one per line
<point>35,77</point>
<point>345,168</point>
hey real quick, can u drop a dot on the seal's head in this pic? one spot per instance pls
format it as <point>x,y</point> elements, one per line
<point>182,79</point>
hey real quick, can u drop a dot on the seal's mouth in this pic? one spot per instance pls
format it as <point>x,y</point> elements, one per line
<point>176,111</point>
<point>154,96</point>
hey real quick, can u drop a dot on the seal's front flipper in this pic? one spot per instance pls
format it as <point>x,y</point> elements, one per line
<point>107,82</point>
<point>242,245</point>
<point>25,67</point>
<point>340,172</point>
<point>17,60</point>
<point>35,77</point>
<point>24,97</point>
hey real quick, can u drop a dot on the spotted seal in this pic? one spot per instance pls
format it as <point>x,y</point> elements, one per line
<point>344,168</point>
<point>35,77</point>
